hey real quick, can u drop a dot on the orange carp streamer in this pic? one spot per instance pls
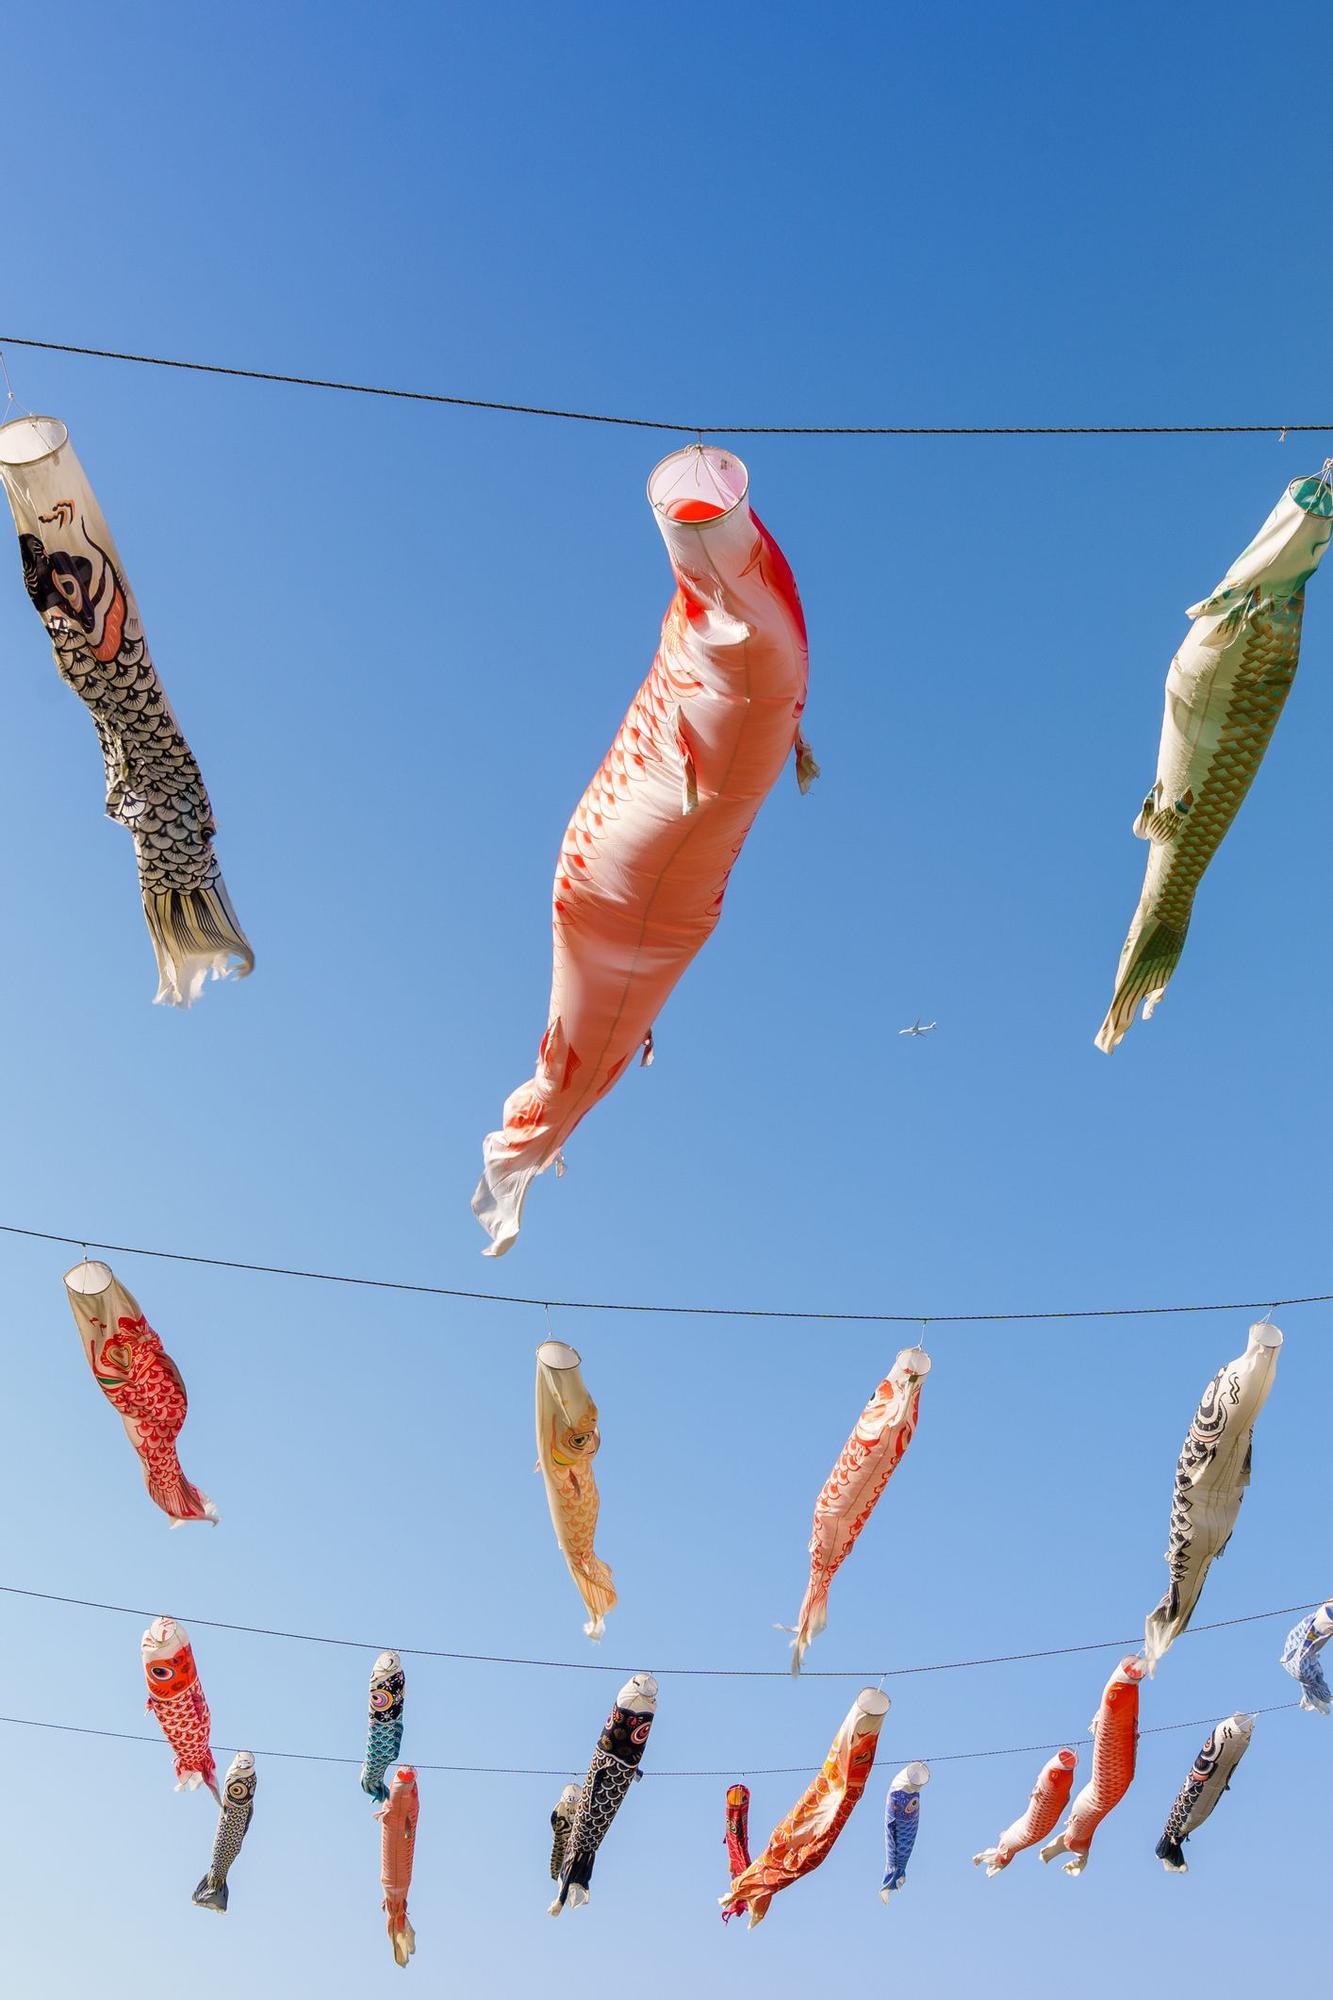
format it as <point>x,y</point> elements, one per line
<point>1050,1796</point>
<point>806,1836</point>
<point>567,1442</point>
<point>646,858</point>
<point>865,1466</point>
<point>398,1845</point>
<point>1115,1743</point>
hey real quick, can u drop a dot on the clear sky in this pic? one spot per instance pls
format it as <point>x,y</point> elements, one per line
<point>399,640</point>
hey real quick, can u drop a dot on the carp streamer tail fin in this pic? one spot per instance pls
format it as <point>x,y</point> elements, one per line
<point>1147,964</point>
<point>1171,1856</point>
<point>195,933</point>
<point>209,1898</point>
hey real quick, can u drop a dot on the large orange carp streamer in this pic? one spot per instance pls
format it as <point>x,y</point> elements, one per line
<point>398,1846</point>
<point>1224,693</point>
<point>567,1442</point>
<point>1115,1745</point>
<point>646,858</point>
<point>77,583</point>
<point>806,1836</point>
<point>1050,1796</point>
<point>865,1466</point>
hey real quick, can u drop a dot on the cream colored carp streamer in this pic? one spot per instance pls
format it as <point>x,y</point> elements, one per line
<point>865,1466</point>
<point>1224,693</point>
<point>567,1442</point>
<point>76,580</point>
<point>1212,1473</point>
<point>647,856</point>
<point>1210,1775</point>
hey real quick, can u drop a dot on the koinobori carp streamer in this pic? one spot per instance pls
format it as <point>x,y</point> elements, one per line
<point>140,1381</point>
<point>238,1806</point>
<point>176,1698</point>
<point>384,1732</point>
<point>865,1466</point>
<point>398,1846</point>
<point>1224,693</point>
<point>1300,1656</point>
<point>1050,1796</point>
<point>738,1829</point>
<point>613,1769</point>
<point>806,1837</point>
<point>1115,1743</point>
<point>646,858</point>
<point>1212,1473</point>
<point>902,1822</point>
<point>1210,1776</point>
<point>77,582</point>
<point>567,1442</point>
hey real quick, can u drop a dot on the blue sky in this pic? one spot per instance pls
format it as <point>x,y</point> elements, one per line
<point>399,640</point>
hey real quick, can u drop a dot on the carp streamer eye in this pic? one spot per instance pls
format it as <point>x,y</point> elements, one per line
<point>238,1791</point>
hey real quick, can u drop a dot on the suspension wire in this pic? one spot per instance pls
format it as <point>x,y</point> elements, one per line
<point>536,1771</point>
<point>86,1243</point>
<point>694,1673</point>
<point>657,424</point>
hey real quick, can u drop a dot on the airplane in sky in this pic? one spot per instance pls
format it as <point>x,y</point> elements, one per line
<point>919,1027</point>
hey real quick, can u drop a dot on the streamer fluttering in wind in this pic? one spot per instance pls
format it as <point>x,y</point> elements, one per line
<point>805,1838</point>
<point>140,1381</point>
<point>238,1806</point>
<point>567,1442</point>
<point>76,580</point>
<point>902,1822</point>
<point>1115,1743</point>
<point>1210,1776</point>
<point>646,858</point>
<point>613,1769</point>
<point>1050,1795</point>
<point>865,1466</point>
<point>738,1830</point>
<point>176,1697</point>
<point>1212,1473</point>
<point>398,1846</point>
<point>1224,693</point>
<point>384,1732</point>
<point>1300,1656</point>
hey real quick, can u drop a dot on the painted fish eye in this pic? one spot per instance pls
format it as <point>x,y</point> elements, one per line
<point>381,1698</point>
<point>238,1790</point>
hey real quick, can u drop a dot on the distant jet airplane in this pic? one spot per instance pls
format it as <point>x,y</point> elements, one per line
<point>919,1027</point>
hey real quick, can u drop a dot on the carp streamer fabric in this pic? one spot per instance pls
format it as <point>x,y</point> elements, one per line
<point>1050,1796</point>
<point>140,1381</point>
<point>1224,693</point>
<point>738,1829</point>
<point>567,1442</point>
<point>865,1466</point>
<point>1115,1743</point>
<point>805,1838</point>
<point>76,580</point>
<point>614,1768</point>
<point>1300,1657</point>
<point>176,1698</point>
<point>238,1806</point>
<point>398,1846</point>
<point>646,858</point>
<point>1211,1775</point>
<point>384,1732</point>
<point>902,1820</point>
<point>1212,1473</point>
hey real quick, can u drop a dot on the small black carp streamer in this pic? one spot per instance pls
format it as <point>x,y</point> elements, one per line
<point>238,1806</point>
<point>76,580</point>
<point>1210,1776</point>
<point>384,1735</point>
<point>614,1768</point>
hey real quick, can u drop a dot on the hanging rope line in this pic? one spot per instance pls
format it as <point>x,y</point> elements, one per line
<point>85,1243</point>
<point>657,424</point>
<point>535,1771</point>
<point>694,1673</point>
